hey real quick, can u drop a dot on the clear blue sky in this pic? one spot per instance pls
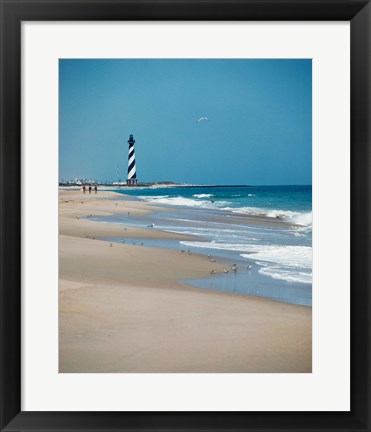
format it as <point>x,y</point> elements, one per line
<point>259,130</point>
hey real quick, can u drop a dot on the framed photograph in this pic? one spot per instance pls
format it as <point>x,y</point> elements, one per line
<point>185,215</point>
<point>147,250</point>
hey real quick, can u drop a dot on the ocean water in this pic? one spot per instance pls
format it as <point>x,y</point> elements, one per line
<point>266,227</point>
<point>290,203</point>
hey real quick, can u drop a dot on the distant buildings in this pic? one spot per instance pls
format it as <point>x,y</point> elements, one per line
<point>79,182</point>
<point>91,182</point>
<point>131,178</point>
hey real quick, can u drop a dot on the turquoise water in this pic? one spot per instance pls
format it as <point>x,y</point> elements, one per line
<point>266,227</point>
<point>283,201</point>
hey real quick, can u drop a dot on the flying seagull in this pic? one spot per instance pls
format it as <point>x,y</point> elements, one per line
<point>201,119</point>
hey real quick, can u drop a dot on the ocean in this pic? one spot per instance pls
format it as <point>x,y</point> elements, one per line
<point>265,230</point>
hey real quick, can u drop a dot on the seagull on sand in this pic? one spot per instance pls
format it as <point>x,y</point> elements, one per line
<point>201,119</point>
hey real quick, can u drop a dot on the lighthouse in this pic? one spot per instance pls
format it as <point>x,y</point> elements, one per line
<point>132,171</point>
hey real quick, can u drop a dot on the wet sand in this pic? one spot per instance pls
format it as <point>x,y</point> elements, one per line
<point>124,307</point>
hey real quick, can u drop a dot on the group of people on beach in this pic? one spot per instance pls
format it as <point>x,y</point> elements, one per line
<point>90,189</point>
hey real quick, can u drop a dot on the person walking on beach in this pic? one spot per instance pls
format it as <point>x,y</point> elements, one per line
<point>95,189</point>
<point>84,189</point>
<point>90,189</point>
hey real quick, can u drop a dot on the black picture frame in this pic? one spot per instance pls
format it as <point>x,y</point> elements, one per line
<point>13,12</point>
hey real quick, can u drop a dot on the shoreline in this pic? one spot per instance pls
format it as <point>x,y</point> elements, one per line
<point>115,293</point>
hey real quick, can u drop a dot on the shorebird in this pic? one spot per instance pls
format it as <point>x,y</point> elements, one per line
<point>234,267</point>
<point>248,267</point>
<point>213,260</point>
<point>225,271</point>
<point>209,256</point>
<point>189,252</point>
<point>110,245</point>
<point>151,226</point>
<point>213,272</point>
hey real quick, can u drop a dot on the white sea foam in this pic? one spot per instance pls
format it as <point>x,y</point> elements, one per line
<point>150,198</point>
<point>302,219</point>
<point>193,221</point>
<point>301,231</point>
<point>290,263</point>
<point>178,201</point>
<point>288,256</point>
<point>278,273</point>
<point>216,245</point>
<point>184,202</point>
<point>293,256</point>
<point>297,218</point>
<point>202,195</point>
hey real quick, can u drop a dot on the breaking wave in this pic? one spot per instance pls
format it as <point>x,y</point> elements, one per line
<point>185,202</point>
<point>289,263</point>
<point>303,219</point>
<point>202,195</point>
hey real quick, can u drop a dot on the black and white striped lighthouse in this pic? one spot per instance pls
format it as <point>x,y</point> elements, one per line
<point>132,171</point>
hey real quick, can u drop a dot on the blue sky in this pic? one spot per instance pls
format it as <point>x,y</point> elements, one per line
<point>258,132</point>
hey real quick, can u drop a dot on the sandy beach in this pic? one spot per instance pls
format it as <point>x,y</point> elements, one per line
<point>124,308</point>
